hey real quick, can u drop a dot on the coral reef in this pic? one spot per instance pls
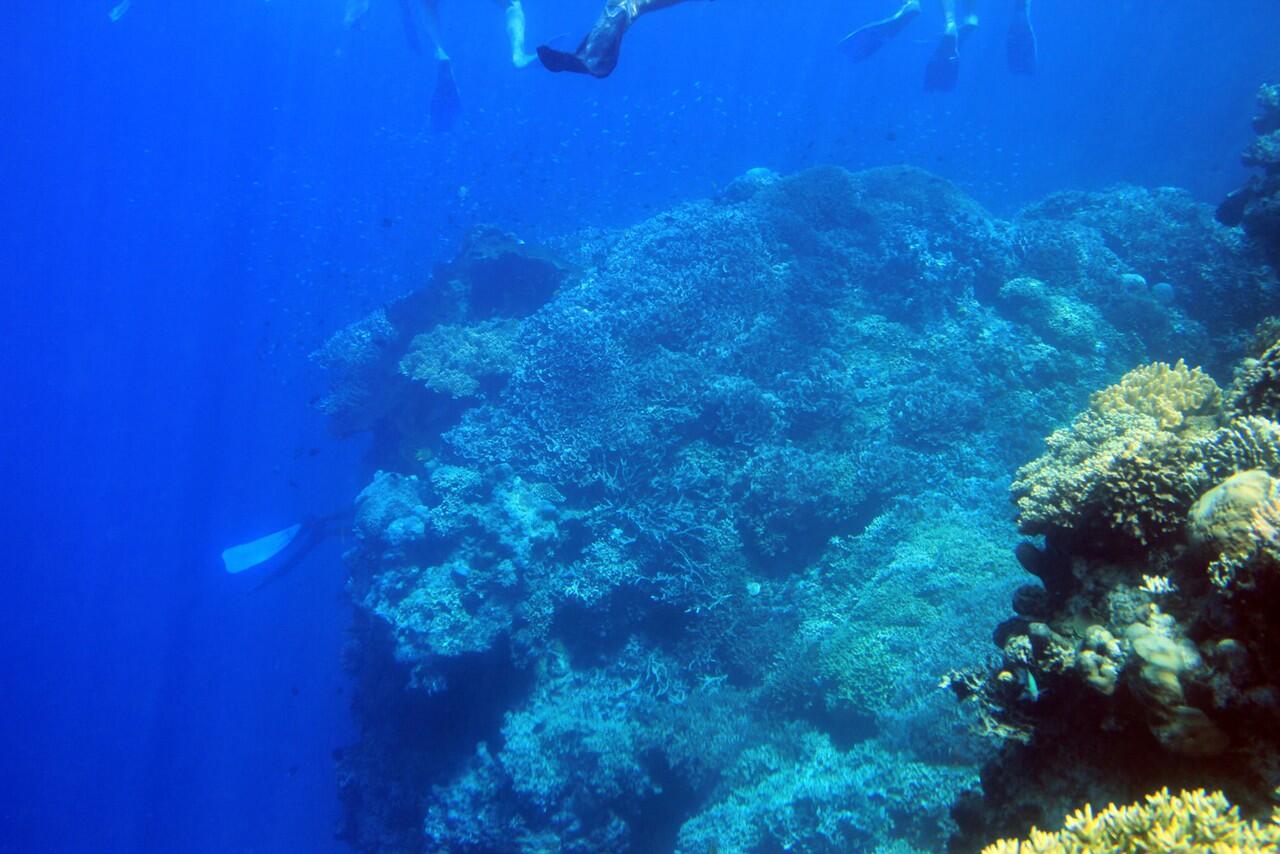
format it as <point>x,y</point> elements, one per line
<point>1145,449</point>
<point>1188,821</point>
<point>1145,657</point>
<point>671,530</point>
<point>1256,205</point>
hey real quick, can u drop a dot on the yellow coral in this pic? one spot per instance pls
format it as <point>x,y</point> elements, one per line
<point>1200,822</point>
<point>1178,397</point>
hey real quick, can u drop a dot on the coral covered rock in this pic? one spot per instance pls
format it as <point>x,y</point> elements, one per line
<point>1161,652</point>
<point>1256,205</point>
<point>1256,387</point>
<point>673,537</point>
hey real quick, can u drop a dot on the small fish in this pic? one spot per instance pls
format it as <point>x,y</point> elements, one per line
<point>1033,690</point>
<point>119,10</point>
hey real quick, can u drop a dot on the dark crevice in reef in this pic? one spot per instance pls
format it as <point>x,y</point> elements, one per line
<point>774,548</point>
<point>655,821</point>
<point>845,726</point>
<point>594,637</point>
<point>415,738</point>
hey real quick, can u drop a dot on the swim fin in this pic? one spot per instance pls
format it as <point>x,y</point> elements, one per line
<point>943,70</point>
<point>355,12</point>
<point>598,53</point>
<point>561,60</point>
<point>864,41</point>
<point>259,551</point>
<point>1021,45</point>
<point>446,104</point>
<point>869,38</point>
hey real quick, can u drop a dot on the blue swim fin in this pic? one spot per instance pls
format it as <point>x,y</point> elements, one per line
<point>869,38</point>
<point>943,70</point>
<point>446,104</point>
<point>1021,45</point>
<point>259,551</point>
<point>864,41</point>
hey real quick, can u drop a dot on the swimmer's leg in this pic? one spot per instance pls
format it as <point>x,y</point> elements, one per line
<point>944,67</point>
<point>515,33</point>
<point>868,39</point>
<point>446,105</point>
<point>1021,45</point>
<point>968,19</point>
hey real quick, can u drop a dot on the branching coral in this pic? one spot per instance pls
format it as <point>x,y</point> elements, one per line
<point>1256,387</point>
<point>1146,449</point>
<point>1116,469</point>
<point>1188,822</point>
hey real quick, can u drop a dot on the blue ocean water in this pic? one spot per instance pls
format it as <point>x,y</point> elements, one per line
<point>196,196</point>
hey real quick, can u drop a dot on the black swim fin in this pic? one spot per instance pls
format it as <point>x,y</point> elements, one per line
<point>943,70</point>
<point>446,104</point>
<point>561,60</point>
<point>598,53</point>
<point>1021,46</point>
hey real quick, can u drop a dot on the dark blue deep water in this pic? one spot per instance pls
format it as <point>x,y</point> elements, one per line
<point>194,197</point>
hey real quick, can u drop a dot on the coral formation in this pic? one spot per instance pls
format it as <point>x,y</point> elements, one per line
<point>1146,447</point>
<point>1187,821</point>
<point>1256,205</point>
<point>1158,650</point>
<point>1256,387</point>
<point>1176,397</point>
<point>671,530</point>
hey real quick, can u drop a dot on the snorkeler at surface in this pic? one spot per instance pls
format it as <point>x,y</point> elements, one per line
<point>597,55</point>
<point>944,67</point>
<point>445,102</point>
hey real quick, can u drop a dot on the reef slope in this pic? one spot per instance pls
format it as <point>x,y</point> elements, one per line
<point>675,528</point>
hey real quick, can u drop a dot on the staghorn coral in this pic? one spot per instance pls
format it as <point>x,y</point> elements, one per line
<point>1247,442</point>
<point>1188,821</point>
<point>1178,398</point>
